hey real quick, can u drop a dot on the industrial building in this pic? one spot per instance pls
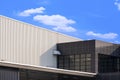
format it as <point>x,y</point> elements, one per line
<point>29,52</point>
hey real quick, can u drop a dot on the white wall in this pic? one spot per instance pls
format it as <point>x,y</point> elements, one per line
<point>24,43</point>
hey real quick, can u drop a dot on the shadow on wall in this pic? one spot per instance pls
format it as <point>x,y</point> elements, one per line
<point>47,58</point>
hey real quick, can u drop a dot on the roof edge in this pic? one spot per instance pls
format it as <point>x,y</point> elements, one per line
<point>35,26</point>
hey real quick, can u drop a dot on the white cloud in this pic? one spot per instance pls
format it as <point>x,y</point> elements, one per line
<point>28,12</point>
<point>117,3</point>
<point>44,2</point>
<point>59,23</point>
<point>118,42</point>
<point>104,36</point>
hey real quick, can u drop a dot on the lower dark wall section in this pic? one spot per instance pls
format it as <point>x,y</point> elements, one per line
<point>36,75</point>
<point>24,74</point>
<point>9,73</point>
<point>71,77</point>
<point>39,75</point>
<point>109,76</point>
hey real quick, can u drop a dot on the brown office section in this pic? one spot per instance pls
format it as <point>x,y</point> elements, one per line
<point>78,56</point>
<point>102,57</point>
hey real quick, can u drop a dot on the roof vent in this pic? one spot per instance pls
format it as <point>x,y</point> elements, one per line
<point>55,52</point>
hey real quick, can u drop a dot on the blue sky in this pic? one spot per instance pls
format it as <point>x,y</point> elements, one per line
<point>85,19</point>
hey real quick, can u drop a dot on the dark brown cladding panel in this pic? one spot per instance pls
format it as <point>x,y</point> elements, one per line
<point>77,47</point>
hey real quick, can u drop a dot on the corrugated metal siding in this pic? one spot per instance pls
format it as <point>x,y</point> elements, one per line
<point>27,44</point>
<point>8,74</point>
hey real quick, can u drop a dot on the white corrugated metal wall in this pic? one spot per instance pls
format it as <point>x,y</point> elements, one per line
<point>28,44</point>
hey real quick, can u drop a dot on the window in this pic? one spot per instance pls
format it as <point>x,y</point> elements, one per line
<point>108,63</point>
<point>81,62</point>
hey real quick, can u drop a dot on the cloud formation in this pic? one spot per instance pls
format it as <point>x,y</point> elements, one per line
<point>28,12</point>
<point>59,23</point>
<point>103,36</point>
<point>117,3</point>
<point>44,2</point>
<point>118,42</point>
